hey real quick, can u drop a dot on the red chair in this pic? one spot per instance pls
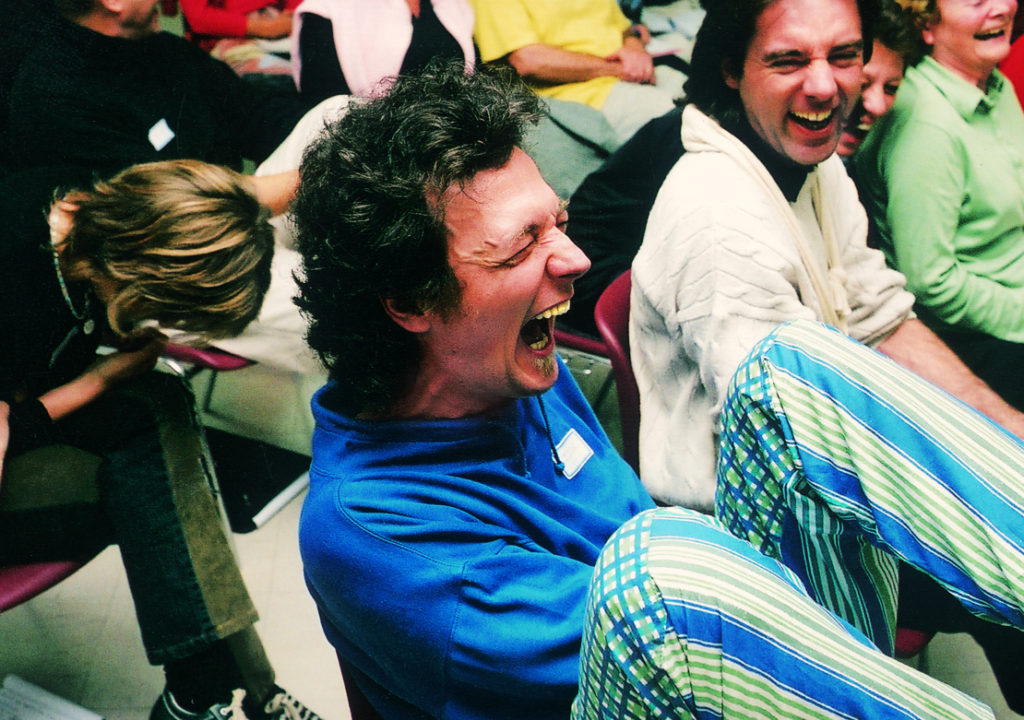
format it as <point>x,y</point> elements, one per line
<point>911,642</point>
<point>583,343</point>
<point>611,313</point>
<point>23,581</point>
<point>590,346</point>
<point>612,316</point>
<point>199,359</point>
<point>19,583</point>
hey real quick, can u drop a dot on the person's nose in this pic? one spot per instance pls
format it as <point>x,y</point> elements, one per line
<point>566,259</point>
<point>1003,8</point>
<point>873,99</point>
<point>820,81</point>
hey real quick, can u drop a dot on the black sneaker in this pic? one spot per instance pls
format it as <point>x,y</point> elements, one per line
<point>282,706</point>
<point>167,708</point>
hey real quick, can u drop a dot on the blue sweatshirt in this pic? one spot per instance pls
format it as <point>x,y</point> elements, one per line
<point>450,561</point>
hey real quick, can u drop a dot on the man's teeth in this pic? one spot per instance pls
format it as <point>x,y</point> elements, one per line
<point>543,339</point>
<point>813,117</point>
<point>560,309</point>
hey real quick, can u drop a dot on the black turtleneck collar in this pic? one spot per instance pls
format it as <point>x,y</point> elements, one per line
<point>96,48</point>
<point>788,175</point>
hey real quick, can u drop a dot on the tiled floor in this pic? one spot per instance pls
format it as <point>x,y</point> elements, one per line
<point>80,639</point>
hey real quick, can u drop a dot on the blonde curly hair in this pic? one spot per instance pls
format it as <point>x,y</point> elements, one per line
<point>920,12</point>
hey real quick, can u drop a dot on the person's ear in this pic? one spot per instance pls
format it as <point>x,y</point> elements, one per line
<point>928,33</point>
<point>928,28</point>
<point>730,78</point>
<point>413,320</point>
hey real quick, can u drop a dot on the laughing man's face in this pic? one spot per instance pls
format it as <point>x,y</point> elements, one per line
<point>515,265</point>
<point>802,76</point>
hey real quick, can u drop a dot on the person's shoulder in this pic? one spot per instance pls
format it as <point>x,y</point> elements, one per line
<point>709,185</point>
<point>173,47</point>
<point>920,102</point>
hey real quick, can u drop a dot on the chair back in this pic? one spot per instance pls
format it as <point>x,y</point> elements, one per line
<point>611,313</point>
<point>29,479</point>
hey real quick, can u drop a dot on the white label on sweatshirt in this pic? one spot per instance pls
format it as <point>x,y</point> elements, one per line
<point>574,452</point>
<point>160,134</point>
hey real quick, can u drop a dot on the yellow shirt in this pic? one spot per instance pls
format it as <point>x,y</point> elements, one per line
<point>594,27</point>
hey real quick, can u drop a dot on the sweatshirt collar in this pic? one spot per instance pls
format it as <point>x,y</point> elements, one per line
<point>97,48</point>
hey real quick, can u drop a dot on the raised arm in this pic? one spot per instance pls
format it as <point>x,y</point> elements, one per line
<point>276,191</point>
<point>106,372</point>
<point>542,63</point>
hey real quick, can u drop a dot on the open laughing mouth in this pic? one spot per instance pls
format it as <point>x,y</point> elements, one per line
<point>991,34</point>
<point>858,130</point>
<point>814,121</point>
<point>536,333</point>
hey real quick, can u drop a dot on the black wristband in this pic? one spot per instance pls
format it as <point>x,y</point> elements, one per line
<point>30,427</point>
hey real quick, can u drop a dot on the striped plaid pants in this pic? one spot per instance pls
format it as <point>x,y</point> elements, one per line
<point>834,463</point>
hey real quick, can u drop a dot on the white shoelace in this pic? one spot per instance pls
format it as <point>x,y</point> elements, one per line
<point>234,711</point>
<point>287,707</point>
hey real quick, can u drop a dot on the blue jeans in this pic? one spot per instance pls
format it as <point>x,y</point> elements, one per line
<point>133,469</point>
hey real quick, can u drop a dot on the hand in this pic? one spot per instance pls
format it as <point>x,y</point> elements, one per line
<point>641,32</point>
<point>137,354</point>
<point>635,65</point>
<point>267,25</point>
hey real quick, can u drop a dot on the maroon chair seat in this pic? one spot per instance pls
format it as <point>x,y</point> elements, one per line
<point>19,583</point>
<point>583,343</point>
<point>199,359</point>
<point>911,642</point>
<point>207,358</point>
<point>611,313</point>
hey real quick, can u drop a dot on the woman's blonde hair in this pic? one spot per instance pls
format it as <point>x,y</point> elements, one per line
<point>186,244</point>
<point>920,12</point>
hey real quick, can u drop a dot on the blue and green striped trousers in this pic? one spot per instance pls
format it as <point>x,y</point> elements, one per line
<point>834,463</point>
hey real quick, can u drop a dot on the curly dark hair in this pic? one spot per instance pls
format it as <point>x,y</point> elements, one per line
<point>370,218</point>
<point>722,42</point>
<point>894,28</point>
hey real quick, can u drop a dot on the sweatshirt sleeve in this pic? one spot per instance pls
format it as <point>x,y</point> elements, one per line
<point>491,625</point>
<point>720,281</point>
<point>502,26</point>
<point>879,301</point>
